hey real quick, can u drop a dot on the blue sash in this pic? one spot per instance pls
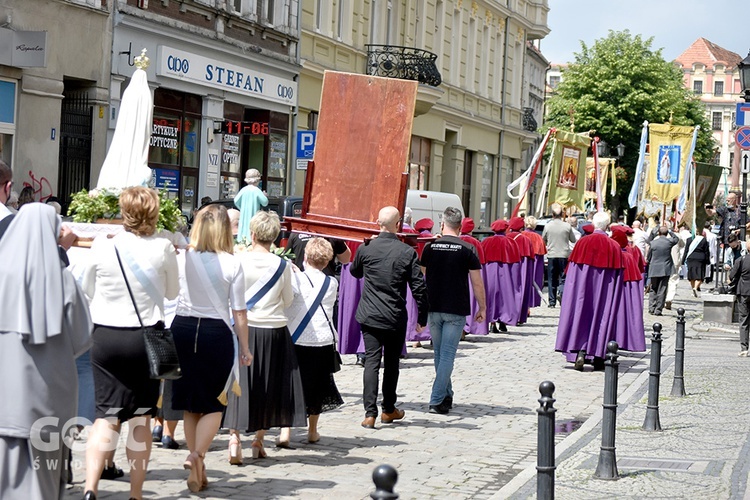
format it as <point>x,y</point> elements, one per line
<point>311,312</point>
<point>267,286</point>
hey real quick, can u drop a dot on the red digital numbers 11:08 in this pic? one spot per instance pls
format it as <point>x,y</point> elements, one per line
<point>244,128</point>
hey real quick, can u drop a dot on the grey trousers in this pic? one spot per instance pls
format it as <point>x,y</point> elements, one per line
<point>743,306</point>
<point>657,295</point>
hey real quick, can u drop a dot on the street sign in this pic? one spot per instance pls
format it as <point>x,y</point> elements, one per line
<point>305,144</point>
<point>745,162</point>
<point>742,116</point>
<point>742,137</point>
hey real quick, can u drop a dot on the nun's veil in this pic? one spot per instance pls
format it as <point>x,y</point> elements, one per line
<point>31,290</point>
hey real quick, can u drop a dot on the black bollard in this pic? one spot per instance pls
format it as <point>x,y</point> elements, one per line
<point>607,466</point>
<point>678,384</point>
<point>545,443</point>
<point>384,477</point>
<point>652,411</point>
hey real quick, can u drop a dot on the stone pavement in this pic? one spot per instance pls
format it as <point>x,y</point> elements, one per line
<point>703,449</point>
<point>486,441</point>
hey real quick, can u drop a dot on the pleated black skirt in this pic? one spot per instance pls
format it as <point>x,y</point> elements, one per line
<point>206,351</point>
<point>122,381</point>
<point>316,369</point>
<point>272,393</point>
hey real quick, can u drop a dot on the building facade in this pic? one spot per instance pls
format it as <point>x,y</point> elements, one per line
<point>224,78</point>
<point>53,92</point>
<point>534,92</point>
<point>468,135</point>
<point>710,71</point>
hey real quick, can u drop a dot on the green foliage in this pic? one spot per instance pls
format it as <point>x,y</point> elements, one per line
<point>616,84</point>
<point>89,206</point>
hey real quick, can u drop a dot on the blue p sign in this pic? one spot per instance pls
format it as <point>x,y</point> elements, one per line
<point>305,144</point>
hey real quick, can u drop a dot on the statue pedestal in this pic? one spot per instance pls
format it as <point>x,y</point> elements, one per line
<point>718,308</point>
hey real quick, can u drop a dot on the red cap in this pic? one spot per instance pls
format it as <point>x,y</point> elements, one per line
<point>499,225</point>
<point>516,224</point>
<point>425,224</point>
<point>620,237</point>
<point>588,228</point>
<point>467,225</point>
<point>621,229</point>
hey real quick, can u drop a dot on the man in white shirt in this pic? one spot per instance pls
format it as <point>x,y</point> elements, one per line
<point>640,238</point>
<point>711,239</point>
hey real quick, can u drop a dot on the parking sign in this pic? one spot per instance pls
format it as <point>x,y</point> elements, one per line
<point>305,144</point>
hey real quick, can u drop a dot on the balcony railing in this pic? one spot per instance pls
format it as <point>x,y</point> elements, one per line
<point>529,122</point>
<point>392,61</point>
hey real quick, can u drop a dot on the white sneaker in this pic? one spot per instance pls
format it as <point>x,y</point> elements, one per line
<point>742,354</point>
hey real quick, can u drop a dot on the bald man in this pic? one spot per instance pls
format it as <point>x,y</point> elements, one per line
<point>387,266</point>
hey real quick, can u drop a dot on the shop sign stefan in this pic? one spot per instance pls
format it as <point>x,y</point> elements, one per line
<point>174,63</point>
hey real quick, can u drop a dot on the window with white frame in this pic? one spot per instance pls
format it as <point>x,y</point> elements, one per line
<point>698,86</point>
<point>471,57</point>
<point>243,8</point>
<point>437,44</point>
<point>456,39</point>
<point>716,120</point>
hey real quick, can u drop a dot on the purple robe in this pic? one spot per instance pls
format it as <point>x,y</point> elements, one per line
<point>350,333</point>
<point>536,299</point>
<point>503,287</point>
<point>526,277</point>
<point>588,309</point>
<point>411,322</point>
<point>629,331</point>
<point>471,324</point>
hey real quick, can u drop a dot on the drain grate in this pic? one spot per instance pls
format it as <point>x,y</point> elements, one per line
<point>663,465</point>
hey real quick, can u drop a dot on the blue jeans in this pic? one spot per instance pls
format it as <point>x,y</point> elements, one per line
<point>555,278</point>
<point>446,332</point>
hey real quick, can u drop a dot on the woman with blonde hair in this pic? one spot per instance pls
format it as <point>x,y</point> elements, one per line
<point>211,282</point>
<point>315,338</point>
<point>272,394</point>
<point>126,279</point>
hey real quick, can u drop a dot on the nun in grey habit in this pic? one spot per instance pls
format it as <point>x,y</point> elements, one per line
<point>44,325</point>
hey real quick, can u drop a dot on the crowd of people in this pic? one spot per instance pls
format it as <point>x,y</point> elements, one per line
<point>258,336</point>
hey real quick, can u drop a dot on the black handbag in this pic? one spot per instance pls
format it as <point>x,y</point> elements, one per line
<point>161,351</point>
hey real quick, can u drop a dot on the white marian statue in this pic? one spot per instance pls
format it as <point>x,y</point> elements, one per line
<point>126,163</point>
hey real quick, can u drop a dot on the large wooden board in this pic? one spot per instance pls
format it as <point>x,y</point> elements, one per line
<point>361,152</point>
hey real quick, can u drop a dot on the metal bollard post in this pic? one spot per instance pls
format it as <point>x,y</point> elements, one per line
<point>607,466</point>
<point>384,477</point>
<point>678,384</point>
<point>545,443</point>
<point>652,411</point>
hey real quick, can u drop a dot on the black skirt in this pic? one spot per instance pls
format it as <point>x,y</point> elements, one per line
<point>696,270</point>
<point>206,351</point>
<point>122,381</point>
<point>272,394</point>
<point>316,368</point>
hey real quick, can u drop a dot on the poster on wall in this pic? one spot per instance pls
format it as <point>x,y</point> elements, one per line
<point>166,179</point>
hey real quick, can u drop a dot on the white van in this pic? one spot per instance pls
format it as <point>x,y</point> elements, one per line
<point>431,204</point>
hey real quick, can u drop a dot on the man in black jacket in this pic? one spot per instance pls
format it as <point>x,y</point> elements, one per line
<point>660,268</point>
<point>739,278</point>
<point>387,265</point>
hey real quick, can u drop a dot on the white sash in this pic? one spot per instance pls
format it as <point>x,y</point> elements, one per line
<point>308,301</point>
<point>145,273</point>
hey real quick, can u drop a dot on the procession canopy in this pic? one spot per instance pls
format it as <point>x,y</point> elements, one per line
<point>361,150</point>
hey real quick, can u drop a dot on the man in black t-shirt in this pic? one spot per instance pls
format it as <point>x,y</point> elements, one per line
<point>446,263</point>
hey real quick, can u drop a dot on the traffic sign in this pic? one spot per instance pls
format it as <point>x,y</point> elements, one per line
<point>745,162</point>
<point>742,116</point>
<point>305,144</point>
<point>742,137</point>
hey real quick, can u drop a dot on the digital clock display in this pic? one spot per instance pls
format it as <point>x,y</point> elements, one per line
<point>244,128</point>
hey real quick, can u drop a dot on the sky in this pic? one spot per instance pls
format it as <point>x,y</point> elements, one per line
<point>674,24</point>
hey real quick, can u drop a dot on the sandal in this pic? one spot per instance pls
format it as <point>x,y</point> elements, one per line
<point>258,451</point>
<point>194,463</point>
<point>235,450</point>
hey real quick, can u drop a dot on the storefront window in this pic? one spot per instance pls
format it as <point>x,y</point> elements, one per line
<point>7,120</point>
<point>165,140</point>
<point>191,136</point>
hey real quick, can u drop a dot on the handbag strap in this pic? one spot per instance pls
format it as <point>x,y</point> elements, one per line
<point>330,326</point>
<point>130,292</point>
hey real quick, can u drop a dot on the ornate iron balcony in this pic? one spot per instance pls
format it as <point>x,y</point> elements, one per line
<point>529,122</point>
<point>407,63</point>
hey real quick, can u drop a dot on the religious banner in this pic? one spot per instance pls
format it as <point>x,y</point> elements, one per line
<point>707,178</point>
<point>670,147</point>
<point>567,179</point>
<point>589,192</point>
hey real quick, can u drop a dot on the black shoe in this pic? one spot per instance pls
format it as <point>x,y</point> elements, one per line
<point>440,409</point>
<point>111,473</point>
<point>598,364</point>
<point>656,313</point>
<point>89,495</point>
<point>502,326</point>
<point>156,433</point>
<point>551,306</point>
<point>360,361</point>
<point>493,328</point>
<point>169,442</point>
<point>447,402</point>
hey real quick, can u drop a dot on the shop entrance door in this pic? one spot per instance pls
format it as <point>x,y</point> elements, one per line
<point>75,144</point>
